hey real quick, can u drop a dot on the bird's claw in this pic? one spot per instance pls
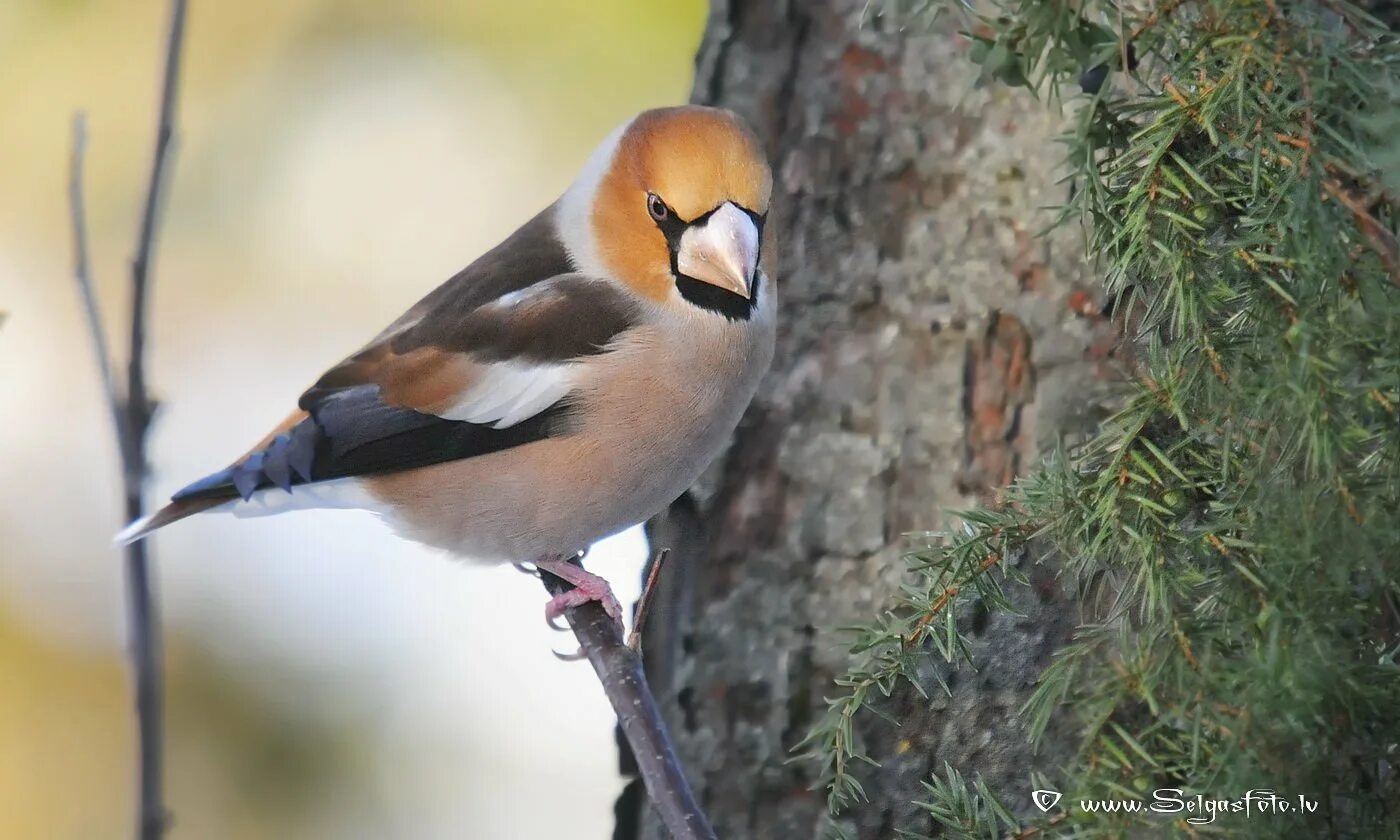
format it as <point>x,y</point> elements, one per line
<point>587,587</point>
<point>578,596</point>
<point>570,657</point>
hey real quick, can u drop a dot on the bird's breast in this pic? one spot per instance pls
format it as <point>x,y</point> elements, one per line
<point>646,418</point>
<point>665,402</point>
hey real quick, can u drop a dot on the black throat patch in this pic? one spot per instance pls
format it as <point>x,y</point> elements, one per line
<point>706,296</point>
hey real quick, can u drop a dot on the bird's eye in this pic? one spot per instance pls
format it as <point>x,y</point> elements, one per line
<point>657,208</point>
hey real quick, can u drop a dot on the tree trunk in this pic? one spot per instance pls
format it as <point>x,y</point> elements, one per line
<point>930,345</point>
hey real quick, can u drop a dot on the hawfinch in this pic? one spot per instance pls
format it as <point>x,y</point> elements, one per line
<point>571,382</point>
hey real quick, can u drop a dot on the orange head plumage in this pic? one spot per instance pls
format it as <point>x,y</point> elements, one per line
<point>673,206</point>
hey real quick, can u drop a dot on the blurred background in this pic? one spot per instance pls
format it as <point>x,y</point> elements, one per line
<point>336,160</point>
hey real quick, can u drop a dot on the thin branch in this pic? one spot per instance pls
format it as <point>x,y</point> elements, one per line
<point>639,620</point>
<point>82,272</point>
<point>131,418</point>
<point>142,615</point>
<point>619,668</point>
<point>142,621</point>
<point>138,402</point>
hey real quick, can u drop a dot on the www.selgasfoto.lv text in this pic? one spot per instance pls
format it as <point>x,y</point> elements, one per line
<point>1203,809</point>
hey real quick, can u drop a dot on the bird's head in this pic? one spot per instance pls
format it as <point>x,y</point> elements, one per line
<point>672,204</point>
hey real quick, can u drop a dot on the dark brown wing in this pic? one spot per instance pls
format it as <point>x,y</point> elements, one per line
<point>483,363</point>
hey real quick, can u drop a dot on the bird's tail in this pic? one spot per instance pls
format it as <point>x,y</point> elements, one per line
<point>173,512</point>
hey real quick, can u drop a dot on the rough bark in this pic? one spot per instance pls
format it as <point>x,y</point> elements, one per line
<point>931,344</point>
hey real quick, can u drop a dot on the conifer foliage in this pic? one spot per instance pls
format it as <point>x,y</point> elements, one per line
<point>1234,531</point>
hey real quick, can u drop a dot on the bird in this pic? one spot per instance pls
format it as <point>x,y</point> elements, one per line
<point>571,382</point>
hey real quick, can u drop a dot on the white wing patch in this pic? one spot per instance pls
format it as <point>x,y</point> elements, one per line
<point>509,392</point>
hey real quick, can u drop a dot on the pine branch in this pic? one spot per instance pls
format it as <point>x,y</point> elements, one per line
<point>1235,529</point>
<point>1380,239</point>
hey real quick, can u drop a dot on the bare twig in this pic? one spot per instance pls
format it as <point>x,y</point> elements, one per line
<point>619,668</point>
<point>138,402</point>
<point>82,272</point>
<point>142,617</point>
<point>639,620</point>
<point>131,419</point>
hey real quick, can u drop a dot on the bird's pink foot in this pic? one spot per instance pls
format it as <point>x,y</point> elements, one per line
<point>587,587</point>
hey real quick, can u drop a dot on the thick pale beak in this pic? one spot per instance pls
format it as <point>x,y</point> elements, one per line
<point>722,252</point>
